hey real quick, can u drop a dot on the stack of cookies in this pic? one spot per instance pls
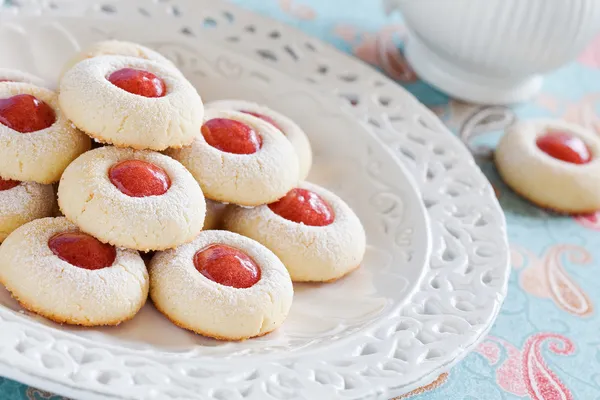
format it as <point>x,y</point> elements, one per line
<point>165,174</point>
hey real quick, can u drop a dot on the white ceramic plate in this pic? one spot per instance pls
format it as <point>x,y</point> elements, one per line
<point>386,329</point>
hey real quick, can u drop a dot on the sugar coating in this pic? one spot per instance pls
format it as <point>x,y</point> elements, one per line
<point>543,179</point>
<point>194,302</point>
<point>244,179</point>
<point>112,115</point>
<point>14,75</point>
<point>39,156</point>
<point>87,197</point>
<point>55,289</point>
<point>116,48</point>
<point>310,253</point>
<point>290,129</point>
<point>24,203</point>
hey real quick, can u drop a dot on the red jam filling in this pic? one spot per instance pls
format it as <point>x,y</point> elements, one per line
<point>25,113</point>
<point>137,178</point>
<point>82,250</point>
<point>231,136</point>
<point>565,147</point>
<point>305,207</point>
<point>7,184</point>
<point>227,266</point>
<point>142,83</point>
<point>264,118</point>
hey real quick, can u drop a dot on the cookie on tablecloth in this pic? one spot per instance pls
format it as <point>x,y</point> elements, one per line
<point>552,163</point>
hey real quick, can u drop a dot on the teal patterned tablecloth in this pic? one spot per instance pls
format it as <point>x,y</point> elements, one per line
<point>545,344</point>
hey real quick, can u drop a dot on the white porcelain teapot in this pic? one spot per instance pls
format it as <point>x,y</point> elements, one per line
<point>494,51</point>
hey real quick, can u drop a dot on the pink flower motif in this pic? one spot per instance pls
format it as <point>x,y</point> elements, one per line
<point>591,56</point>
<point>300,11</point>
<point>525,373</point>
<point>379,49</point>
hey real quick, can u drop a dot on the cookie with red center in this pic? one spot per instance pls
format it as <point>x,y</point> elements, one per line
<point>132,198</point>
<point>21,202</point>
<point>131,102</point>
<point>314,232</point>
<point>551,163</point>
<point>240,159</point>
<point>65,275</point>
<point>37,141</point>
<point>288,127</point>
<point>14,75</point>
<point>221,285</point>
<point>117,48</point>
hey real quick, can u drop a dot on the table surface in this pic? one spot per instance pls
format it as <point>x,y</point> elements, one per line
<point>545,343</point>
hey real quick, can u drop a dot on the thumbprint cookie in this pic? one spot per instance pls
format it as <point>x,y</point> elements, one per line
<point>136,199</point>
<point>221,285</point>
<point>131,102</point>
<point>117,48</point>
<point>13,75</point>
<point>22,202</point>
<point>314,232</point>
<point>37,141</point>
<point>240,159</point>
<point>67,276</point>
<point>289,128</point>
<point>553,164</point>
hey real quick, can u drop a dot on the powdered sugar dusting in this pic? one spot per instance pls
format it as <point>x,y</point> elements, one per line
<point>245,179</point>
<point>23,203</point>
<point>290,129</point>
<point>87,197</point>
<point>21,155</point>
<point>310,253</point>
<point>196,302</point>
<point>56,289</point>
<point>112,115</point>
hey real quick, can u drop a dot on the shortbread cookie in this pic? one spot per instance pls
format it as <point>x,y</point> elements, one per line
<point>65,275</point>
<point>552,163</point>
<point>222,285</point>
<point>314,232</point>
<point>37,142</point>
<point>214,215</point>
<point>240,159</point>
<point>131,102</point>
<point>13,75</point>
<point>289,128</point>
<point>132,198</point>
<point>21,202</point>
<point>117,48</point>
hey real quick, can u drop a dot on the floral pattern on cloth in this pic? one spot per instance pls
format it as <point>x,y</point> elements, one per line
<point>545,343</point>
